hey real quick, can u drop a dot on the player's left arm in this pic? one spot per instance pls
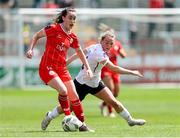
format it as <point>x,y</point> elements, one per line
<point>121,70</point>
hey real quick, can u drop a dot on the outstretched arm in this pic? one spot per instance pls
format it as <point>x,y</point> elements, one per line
<point>121,70</point>
<point>35,38</point>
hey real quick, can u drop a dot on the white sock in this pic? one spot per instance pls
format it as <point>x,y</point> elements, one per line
<point>125,114</point>
<point>54,113</point>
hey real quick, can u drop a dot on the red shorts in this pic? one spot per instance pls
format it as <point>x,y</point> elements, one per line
<point>107,72</point>
<point>48,73</point>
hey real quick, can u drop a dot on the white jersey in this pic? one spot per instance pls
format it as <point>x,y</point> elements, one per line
<point>95,55</point>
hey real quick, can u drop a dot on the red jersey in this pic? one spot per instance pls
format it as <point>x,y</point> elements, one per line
<point>57,45</point>
<point>114,52</point>
<point>156,4</point>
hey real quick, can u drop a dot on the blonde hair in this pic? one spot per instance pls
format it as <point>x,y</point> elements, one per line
<point>107,33</point>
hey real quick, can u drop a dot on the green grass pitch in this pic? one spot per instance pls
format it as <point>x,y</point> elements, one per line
<point>21,112</point>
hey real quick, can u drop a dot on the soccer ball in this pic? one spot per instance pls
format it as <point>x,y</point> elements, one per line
<point>71,123</point>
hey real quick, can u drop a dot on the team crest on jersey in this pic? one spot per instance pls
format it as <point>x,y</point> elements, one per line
<point>71,40</point>
<point>51,72</point>
<point>59,36</point>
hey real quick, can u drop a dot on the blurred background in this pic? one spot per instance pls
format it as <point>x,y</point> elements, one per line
<point>149,31</point>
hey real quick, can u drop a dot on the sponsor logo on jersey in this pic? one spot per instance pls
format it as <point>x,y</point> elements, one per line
<point>59,36</point>
<point>61,47</point>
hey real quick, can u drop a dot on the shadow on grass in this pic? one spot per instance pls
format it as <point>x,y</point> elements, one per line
<point>41,131</point>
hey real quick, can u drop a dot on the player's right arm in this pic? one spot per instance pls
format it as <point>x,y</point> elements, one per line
<point>34,40</point>
<point>122,53</point>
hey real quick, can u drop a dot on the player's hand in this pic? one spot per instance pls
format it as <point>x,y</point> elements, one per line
<point>137,73</point>
<point>29,53</point>
<point>89,73</point>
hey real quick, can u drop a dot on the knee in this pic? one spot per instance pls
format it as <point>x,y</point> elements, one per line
<point>115,94</point>
<point>63,91</point>
<point>111,89</point>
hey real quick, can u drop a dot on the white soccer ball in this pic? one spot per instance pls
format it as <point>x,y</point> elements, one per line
<point>71,123</point>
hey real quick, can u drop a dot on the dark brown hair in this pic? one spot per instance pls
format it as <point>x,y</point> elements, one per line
<point>64,12</point>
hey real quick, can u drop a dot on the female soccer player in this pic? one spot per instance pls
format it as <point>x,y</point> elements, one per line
<point>53,70</point>
<point>97,58</point>
<point>112,79</point>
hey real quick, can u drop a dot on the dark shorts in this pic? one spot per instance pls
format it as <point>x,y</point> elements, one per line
<point>83,89</point>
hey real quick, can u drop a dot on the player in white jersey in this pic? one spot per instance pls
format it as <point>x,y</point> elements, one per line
<point>97,58</point>
<point>95,55</point>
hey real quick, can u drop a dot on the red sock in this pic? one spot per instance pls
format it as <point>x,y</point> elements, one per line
<point>63,101</point>
<point>78,110</point>
<point>110,108</point>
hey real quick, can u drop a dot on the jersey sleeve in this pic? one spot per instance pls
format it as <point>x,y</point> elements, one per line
<point>50,30</point>
<point>75,42</point>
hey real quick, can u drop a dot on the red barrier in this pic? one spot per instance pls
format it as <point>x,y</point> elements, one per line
<point>155,75</point>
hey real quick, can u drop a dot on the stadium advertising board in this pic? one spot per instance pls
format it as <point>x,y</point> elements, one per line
<point>151,75</point>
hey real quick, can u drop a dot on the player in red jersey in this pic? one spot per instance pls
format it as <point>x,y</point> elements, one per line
<point>53,70</point>
<point>97,57</point>
<point>110,78</point>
